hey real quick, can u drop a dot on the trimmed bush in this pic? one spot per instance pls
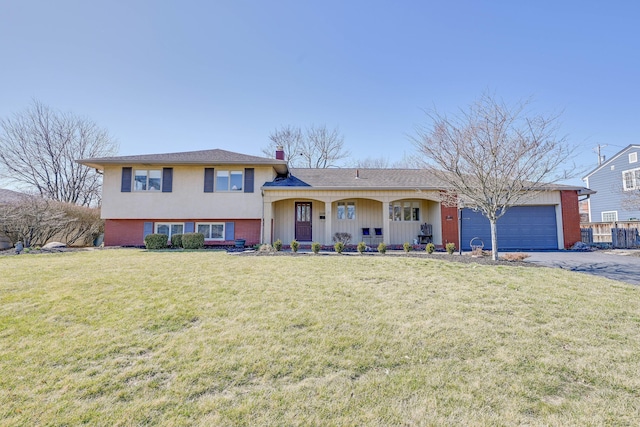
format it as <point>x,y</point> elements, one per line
<point>339,247</point>
<point>382,248</point>
<point>193,240</point>
<point>156,241</point>
<point>277,245</point>
<point>430,248</point>
<point>295,245</point>
<point>315,247</point>
<point>362,246</point>
<point>407,247</point>
<point>176,240</point>
<point>451,248</point>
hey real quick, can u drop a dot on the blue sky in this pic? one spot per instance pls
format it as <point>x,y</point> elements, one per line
<point>188,75</point>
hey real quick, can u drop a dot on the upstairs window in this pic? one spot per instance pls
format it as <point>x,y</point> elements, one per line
<point>229,180</point>
<point>346,210</point>
<point>633,157</point>
<point>631,179</point>
<point>147,180</point>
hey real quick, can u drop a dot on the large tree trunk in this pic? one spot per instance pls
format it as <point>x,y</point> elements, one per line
<point>494,239</point>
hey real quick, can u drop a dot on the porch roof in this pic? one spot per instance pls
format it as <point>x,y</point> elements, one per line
<point>355,178</point>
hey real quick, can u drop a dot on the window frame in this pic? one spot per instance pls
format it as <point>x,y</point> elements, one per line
<point>170,225</point>
<point>633,157</point>
<point>229,176</point>
<point>209,224</point>
<point>635,179</point>
<point>147,180</point>
<point>347,214</point>
<point>615,214</point>
<point>400,210</point>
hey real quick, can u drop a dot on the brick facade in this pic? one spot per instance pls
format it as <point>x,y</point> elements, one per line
<point>130,232</point>
<point>570,218</point>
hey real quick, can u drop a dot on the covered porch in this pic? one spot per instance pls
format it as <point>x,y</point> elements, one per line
<point>369,216</point>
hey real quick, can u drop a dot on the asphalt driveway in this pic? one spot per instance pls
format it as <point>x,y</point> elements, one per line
<point>613,265</point>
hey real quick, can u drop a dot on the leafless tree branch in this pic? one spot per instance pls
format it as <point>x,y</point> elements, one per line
<point>38,148</point>
<point>493,156</point>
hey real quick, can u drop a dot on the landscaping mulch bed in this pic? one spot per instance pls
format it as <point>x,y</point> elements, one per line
<point>439,256</point>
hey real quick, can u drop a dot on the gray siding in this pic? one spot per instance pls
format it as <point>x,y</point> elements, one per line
<point>607,181</point>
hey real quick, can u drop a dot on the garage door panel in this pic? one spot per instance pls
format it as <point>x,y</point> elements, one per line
<point>522,227</point>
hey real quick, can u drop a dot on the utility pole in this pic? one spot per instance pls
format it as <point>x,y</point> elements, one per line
<point>600,158</point>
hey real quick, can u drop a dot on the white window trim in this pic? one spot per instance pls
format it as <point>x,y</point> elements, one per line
<point>633,157</point>
<point>615,213</point>
<point>401,203</point>
<point>229,189</point>
<point>209,239</point>
<point>148,189</point>
<point>346,204</point>
<point>635,179</point>
<point>157,224</point>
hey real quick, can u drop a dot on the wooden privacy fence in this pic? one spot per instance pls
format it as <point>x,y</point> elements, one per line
<point>620,234</point>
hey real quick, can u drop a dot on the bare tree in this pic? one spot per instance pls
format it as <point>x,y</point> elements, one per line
<point>407,162</point>
<point>37,151</point>
<point>317,147</point>
<point>322,147</point>
<point>493,156</point>
<point>290,139</point>
<point>631,199</point>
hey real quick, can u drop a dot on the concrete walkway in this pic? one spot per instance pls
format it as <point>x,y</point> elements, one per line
<point>611,264</point>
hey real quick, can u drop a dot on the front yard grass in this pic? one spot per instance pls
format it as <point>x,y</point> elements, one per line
<point>129,337</point>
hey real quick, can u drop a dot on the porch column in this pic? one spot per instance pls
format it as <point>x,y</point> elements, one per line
<point>267,220</point>
<point>327,223</point>
<point>386,238</point>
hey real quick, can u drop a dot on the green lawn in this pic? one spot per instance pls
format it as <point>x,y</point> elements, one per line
<point>128,337</point>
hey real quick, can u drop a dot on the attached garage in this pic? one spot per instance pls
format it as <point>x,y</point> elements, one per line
<point>521,228</point>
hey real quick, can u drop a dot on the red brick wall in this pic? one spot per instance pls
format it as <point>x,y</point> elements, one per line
<point>129,232</point>
<point>123,232</point>
<point>449,225</point>
<point>570,217</point>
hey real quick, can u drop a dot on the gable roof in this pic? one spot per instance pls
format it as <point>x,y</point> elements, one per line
<point>614,157</point>
<point>202,157</point>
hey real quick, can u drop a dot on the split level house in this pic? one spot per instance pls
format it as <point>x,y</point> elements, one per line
<point>615,180</point>
<point>228,196</point>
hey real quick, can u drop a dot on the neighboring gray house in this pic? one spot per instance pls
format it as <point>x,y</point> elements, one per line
<point>614,181</point>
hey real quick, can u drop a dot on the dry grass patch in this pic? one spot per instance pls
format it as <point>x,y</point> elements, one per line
<point>128,337</point>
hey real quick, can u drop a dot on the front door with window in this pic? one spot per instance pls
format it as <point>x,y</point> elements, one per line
<point>303,221</point>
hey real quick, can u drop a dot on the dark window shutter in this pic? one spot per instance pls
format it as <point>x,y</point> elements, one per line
<point>167,180</point>
<point>126,180</point>
<point>209,177</point>
<point>148,229</point>
<point>189,227</point>
<point>229,232</point>
<point>248,180</point>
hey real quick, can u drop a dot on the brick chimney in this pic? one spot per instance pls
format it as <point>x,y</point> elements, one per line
<point>279,152</point>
